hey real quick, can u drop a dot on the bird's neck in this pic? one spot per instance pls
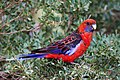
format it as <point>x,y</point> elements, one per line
<point>86,37</point>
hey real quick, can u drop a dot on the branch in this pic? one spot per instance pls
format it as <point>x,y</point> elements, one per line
<point>15,32</point>
<point>36,27</point>
<point>11,20</point>
<point>70,21</point>
<point>9,6</point>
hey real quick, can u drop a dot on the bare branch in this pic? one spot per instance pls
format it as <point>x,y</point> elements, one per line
<point>70,21</point>
<point>23,30</point>
<point>9,6</point>
<point>16,32</point>
<point>11,21</point>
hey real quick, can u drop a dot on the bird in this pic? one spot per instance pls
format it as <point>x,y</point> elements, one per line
<point>69,48</point>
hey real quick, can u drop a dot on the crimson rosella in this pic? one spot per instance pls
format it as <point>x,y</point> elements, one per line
<point>69,48</point>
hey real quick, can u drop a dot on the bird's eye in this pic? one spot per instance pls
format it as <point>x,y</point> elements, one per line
<point>88,23</point>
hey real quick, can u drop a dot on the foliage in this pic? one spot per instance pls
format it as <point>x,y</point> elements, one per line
<point>29,24</point>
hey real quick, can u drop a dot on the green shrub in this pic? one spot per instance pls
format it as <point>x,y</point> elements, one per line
<point>26,25</point>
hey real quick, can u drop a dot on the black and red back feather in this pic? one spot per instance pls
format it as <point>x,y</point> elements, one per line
<point>62,46</point>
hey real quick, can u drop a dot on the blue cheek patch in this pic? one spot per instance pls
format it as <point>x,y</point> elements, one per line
<point>89,29</point>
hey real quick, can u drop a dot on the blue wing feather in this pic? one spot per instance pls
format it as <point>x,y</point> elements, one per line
<point>64,46</point>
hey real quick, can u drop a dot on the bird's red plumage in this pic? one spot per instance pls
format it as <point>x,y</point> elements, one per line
<point>71,47</point>
<point>79,52</point>
<point>66,58</point>
<point>86,39</point>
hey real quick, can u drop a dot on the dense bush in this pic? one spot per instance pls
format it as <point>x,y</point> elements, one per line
<point>29,24</point>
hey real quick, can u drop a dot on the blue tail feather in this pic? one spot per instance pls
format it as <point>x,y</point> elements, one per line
<point>29,56</point>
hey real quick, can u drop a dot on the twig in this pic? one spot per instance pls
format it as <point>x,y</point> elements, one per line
<point>11,20</point>
<point>10,5</point>
<point>1,11</point>
<point>23,30</point>
<point>16,32</point>
<point>70,21</point>
<point>89,16</point>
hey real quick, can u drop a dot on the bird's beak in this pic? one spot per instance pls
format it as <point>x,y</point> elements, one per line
<point>94,26</point>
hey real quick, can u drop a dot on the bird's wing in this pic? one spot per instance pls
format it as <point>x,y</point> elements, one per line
<point>67,45</point>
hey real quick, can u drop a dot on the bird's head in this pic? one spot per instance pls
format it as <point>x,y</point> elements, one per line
<point>88,25</point>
